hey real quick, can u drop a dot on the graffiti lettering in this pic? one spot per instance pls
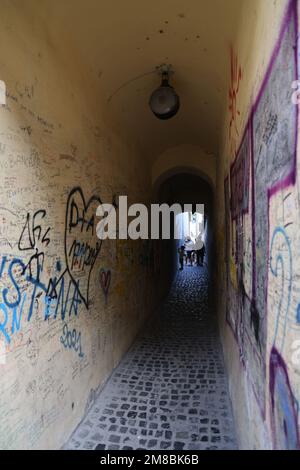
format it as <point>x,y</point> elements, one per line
<point>81,245</point>
<point>105,277</point>
<point>32,232</point>
<point>71,340</point>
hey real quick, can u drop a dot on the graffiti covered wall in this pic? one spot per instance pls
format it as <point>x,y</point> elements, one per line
<point>262,265</point>
<point>70,306</point>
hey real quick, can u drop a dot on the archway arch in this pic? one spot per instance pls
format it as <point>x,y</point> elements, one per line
<point>185,158</point>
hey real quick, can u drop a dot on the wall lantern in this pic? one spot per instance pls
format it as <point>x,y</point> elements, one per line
<point>164,101</point>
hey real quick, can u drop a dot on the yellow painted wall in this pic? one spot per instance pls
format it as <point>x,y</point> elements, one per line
<point>52,140</point>
<point>260,276</point>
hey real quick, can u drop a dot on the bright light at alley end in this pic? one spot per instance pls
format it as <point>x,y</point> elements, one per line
<point>164,101</point>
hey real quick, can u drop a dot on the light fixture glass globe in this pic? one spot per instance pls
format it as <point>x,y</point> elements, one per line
<point>164,101</point>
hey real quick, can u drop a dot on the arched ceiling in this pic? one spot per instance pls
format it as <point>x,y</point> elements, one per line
<point>174,159</point>
<point>118,43</point>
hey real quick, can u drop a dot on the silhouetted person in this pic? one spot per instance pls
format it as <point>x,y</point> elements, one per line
<point>189,257</point>
<point>181,252</point>
<point>189,250</point>
<point>200,255</point>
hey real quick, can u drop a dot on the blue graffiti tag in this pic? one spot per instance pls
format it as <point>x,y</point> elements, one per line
<point>61,295</point>
<point>277,266</point>
<point>71,340</point>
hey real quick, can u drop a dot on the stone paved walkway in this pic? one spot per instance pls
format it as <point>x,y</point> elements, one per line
<point>170,390</point>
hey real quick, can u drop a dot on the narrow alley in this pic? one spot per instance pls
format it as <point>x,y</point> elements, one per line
<point>139,139</point>
<point>170,389</point>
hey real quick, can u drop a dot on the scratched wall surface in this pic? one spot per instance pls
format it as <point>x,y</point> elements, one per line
<point>70,306</point>
<point>260,325</point>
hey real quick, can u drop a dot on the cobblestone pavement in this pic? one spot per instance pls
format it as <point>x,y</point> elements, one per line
<point>170,390</point>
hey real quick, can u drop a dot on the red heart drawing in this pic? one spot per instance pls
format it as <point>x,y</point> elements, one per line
<point>105,277</point>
